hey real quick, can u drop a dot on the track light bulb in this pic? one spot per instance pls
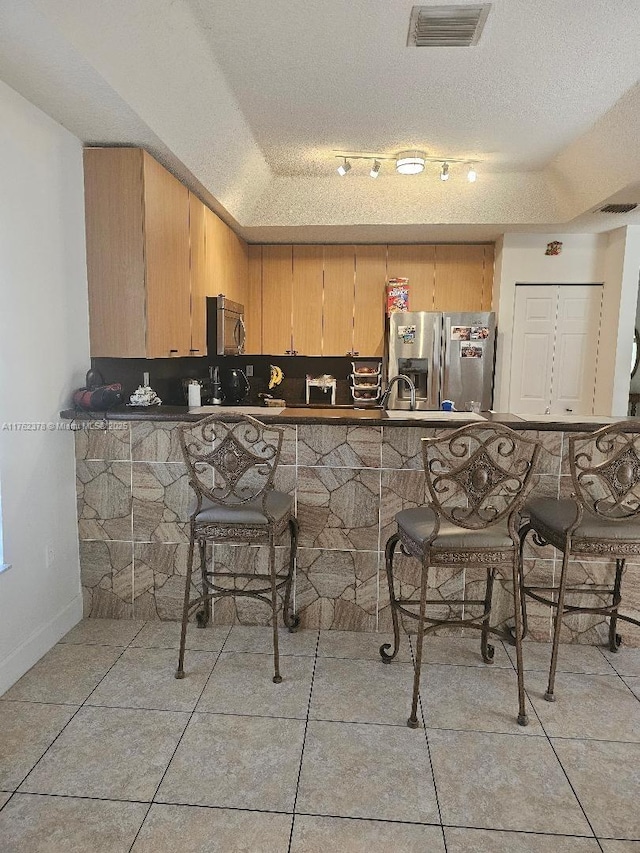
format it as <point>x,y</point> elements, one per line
<point>471,174</point>
<point>343,168</point>
<point>444,172</point>
<point>375,169</point>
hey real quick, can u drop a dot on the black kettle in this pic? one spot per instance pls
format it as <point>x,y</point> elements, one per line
<point>235,385</point>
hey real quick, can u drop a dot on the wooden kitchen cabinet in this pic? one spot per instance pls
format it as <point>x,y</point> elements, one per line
<point>339,294</point>
<point>370,300</point>
<point>137,227</point>
<point>463,277</point>
<point>306,313</point>
<point>198,276</point>
<point>277,299</point>
<point>417,263</point>
<point>253,305</point>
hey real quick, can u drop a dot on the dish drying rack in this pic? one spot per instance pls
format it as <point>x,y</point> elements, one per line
<point>366,382</point>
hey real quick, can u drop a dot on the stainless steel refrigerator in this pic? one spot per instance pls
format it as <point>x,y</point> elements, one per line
<point>447,356</point>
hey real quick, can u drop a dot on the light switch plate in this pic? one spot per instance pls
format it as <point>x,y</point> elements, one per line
<point>249,370</point>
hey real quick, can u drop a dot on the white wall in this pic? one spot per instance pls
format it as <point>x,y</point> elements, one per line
<point>44,353</point>
<point>521,258</point>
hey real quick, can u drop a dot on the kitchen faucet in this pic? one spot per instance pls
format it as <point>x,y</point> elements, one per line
<point>392,382</point>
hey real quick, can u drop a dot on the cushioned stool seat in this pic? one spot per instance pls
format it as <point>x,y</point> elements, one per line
<point>418,524</point>
<point>278,504</point>
<point>559,515</point>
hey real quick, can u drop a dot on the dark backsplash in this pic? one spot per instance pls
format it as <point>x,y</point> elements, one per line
<point>166,375</point>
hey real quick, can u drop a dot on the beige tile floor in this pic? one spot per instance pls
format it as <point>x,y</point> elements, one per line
<point>101,749</point>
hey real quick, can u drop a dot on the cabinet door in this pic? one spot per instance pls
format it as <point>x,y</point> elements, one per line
<point>198,272</point>
<point>167,262</point>
<point>459,278</point>
<point>532,349</point>
<point>115,251</point>
<point>369,308</point>
<point>217,253</point>
<point>339,294</point>
<point>417,263</point>
<point>276,299</point>
<point>238,269</point>
<point>253,305</point>
<point>576,349</point>
<point>306,327</point>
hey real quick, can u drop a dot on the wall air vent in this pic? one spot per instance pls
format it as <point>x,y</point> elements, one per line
<point>619,208</point>
<point>447,26</point>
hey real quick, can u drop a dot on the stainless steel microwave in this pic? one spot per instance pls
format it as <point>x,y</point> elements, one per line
<point>226,331</point>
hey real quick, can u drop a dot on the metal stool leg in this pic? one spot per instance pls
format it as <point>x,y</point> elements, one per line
<point>412,722</point>
<point>558,623</point>
<point>523,719</point>
<point>277,678</point>
<point>185,606</point>
<point>486,648</point>
<point>291,620</point>
<point>203,616</point>
<point>384,648</point>
<point>614,638</point>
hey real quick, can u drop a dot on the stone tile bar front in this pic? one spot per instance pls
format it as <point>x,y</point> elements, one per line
<point>351,472</point>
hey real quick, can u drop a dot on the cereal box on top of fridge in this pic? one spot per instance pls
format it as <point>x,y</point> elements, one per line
<point>397,295</point>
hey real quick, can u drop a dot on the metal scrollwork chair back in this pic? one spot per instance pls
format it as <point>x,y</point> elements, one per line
<point>232,468</point>
<point>601,518</point>
<point>477,478</point>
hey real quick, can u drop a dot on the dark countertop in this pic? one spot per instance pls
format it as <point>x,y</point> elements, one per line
<point>337,415</point>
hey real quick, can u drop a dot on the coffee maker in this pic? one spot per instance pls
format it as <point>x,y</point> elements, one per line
<point>235,385</point>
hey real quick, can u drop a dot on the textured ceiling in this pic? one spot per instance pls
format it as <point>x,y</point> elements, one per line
<point>247,103</point>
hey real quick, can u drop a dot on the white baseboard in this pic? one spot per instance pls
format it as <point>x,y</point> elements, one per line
<point>34,647</point>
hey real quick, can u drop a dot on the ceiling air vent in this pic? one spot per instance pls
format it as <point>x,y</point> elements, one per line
<point>619,208</point>
<point>447,26</point>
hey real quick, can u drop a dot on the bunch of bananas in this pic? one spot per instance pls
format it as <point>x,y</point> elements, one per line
<point>276,376</point>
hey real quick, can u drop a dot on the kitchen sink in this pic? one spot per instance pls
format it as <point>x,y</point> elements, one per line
<point>437,415</point>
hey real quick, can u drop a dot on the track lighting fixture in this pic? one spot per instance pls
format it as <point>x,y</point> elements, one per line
<point>407,163</point>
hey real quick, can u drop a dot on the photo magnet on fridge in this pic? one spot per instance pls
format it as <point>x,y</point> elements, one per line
<point>460,333</point>
<point>470,351</point>
<point>407,334</point>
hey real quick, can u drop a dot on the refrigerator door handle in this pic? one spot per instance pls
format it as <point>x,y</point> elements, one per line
<point>446,355</point>
<point>436,367</point>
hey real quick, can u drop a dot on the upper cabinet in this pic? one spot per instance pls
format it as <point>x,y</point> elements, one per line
<point>463,278</point>
<point>138,265</point>
<point>330,300</point>
<point>154,253</point>
<point>417,263</point>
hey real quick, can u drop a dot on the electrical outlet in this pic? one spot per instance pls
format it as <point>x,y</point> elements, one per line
<point>249,370</point>
<point>49,556</point>
<point>145,379</point>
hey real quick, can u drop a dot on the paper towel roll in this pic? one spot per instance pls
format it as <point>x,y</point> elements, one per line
<point>194,395</point>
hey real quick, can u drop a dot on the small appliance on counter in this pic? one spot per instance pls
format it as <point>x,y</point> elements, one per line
<point>235,386</point>
<point>216,388</point>
<point>365,383</point>
<point>325,382</point>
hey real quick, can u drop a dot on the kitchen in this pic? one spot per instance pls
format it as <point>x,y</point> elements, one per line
<point>110,100</point>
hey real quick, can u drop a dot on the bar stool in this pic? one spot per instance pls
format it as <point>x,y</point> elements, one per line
<point>601,518</point>
<point>477,477</point>
<point>231,470</point>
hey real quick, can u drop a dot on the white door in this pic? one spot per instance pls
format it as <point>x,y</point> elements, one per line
<point>532,349</point>
<point>576,349</point>
<point>555,347</point>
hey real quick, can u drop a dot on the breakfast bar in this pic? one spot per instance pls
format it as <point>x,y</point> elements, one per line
<point>351,470</point>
